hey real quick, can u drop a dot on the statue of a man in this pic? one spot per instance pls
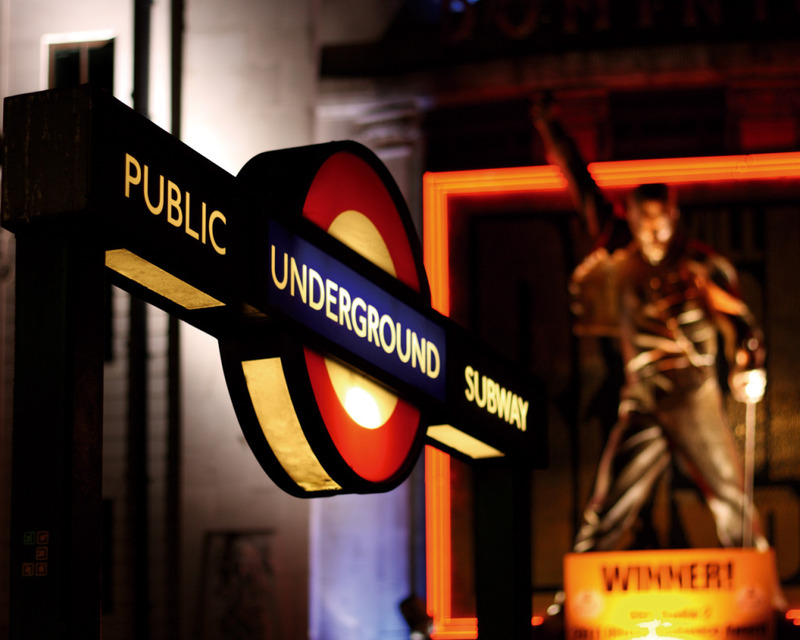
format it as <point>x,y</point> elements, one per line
<point>665,298</point>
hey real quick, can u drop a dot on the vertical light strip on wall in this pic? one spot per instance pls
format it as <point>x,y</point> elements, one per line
<point>440,561</point>
<point>437,189</point>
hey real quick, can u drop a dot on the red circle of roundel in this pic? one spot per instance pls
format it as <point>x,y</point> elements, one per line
<point>332,192</point>
<point>346,182</point>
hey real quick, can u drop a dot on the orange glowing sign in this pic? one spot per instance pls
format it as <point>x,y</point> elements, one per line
<point>438,188</point>
<point>671,593</point>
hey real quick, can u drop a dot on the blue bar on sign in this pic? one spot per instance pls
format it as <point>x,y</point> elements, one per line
<point>335,301</point>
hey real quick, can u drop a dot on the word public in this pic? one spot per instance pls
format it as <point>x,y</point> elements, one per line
<point>177,204</point>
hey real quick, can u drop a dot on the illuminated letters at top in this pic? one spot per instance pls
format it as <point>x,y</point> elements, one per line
<point>178,204</point>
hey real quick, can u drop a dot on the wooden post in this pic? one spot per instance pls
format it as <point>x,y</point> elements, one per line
<point>57,436</point>
<point>503,550</point>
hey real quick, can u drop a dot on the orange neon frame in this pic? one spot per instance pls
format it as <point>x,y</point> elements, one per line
<point>437,189</point>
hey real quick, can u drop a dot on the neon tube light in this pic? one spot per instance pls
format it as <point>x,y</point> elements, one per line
<point>437,511</point>
<point>437,189</point>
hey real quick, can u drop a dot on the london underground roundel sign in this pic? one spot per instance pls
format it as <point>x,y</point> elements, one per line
<point>307,269</point>
<point>319,426</point>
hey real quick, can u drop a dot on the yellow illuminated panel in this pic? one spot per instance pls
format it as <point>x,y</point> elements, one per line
<point>460,441</point>
<point>276,415</point>
<point>355,230</point>
<point>148,275</point>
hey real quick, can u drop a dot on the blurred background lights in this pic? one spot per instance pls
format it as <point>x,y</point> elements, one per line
<point>459,6</point>
<point>756,385</point>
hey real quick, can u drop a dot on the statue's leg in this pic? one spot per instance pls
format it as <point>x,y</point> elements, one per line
<point>634,458</point>
<point>705,447</point>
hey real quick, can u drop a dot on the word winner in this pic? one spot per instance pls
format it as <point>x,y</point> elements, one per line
<point>353,315</point>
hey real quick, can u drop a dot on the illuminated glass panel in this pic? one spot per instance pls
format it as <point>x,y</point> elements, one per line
<point>273,405</point>
<point>456,439</point>
<point>156,279</point>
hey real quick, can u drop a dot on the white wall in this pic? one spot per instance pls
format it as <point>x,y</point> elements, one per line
<point>32,22</point>
<point>250,78</point>
<point>249,86</point>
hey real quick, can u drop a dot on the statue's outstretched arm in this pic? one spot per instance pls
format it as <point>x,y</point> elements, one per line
<point>562,151</point>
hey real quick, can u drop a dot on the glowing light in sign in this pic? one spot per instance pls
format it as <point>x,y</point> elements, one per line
<point>368,403</point>
<point>362,408</point>
<point>437,190</point>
